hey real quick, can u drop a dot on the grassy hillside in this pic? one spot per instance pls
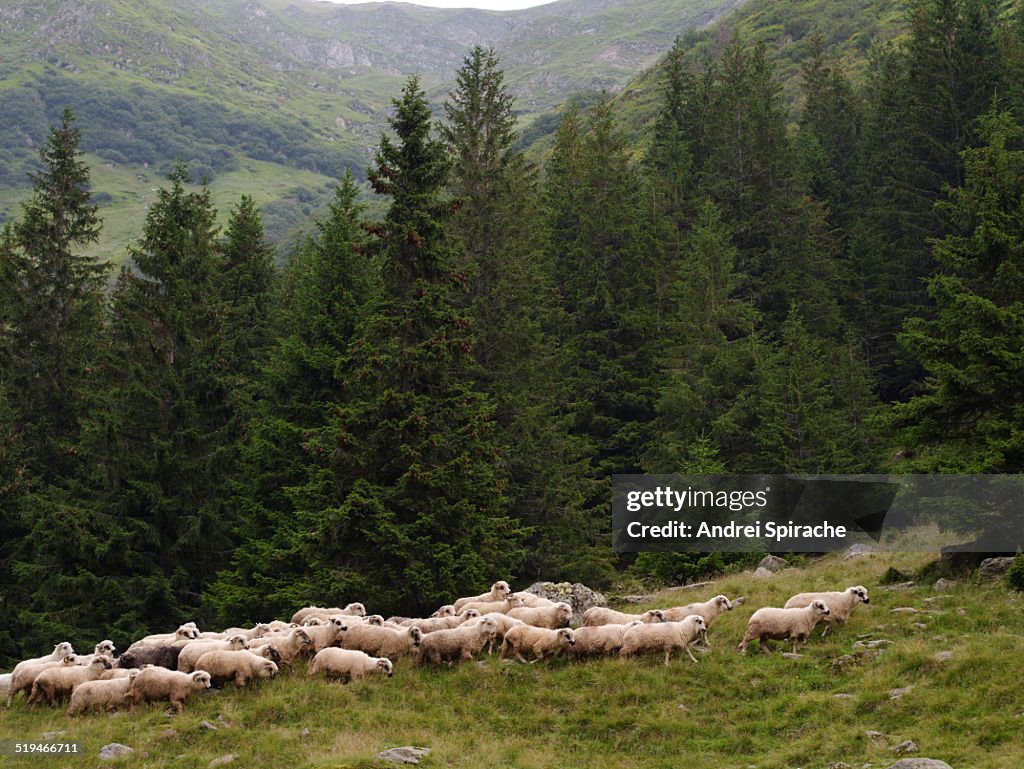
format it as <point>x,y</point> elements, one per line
<point>725,712</point>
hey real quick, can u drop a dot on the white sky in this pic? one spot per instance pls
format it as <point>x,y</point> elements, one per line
<point>491,5</point>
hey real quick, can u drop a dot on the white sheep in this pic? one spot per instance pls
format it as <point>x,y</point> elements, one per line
<point>448,610</point>
<point>181,636</point>
<point>104,648</point>
<point>238,666</point>
<point>326,635</point>
<point>499,592</point>
<point>709,610</point>
<point>663,636</point>
<point>103,694</point>
<point>598,640</point>
<point>503,623</point>
<point>532,600</point>
<point>188,656</point>
<point>840,605</point>
<point>259,630</point>
<point>490,607</point>
<point>352,610</point>
<point>430,624</point>
<point>538,641</point>
<point>382,641</point>
<point>601,615</point>
<point>60,651</point>
<point>462,642</point>
<point>288,645</point>
<point>780,624</point>
<point>348,664</point>
<point>25,672</point>
<point>57,682</point>
<point>552,617</point>
<point>155,684</point>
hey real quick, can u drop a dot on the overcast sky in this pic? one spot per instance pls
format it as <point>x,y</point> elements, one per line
<point>492,5</point>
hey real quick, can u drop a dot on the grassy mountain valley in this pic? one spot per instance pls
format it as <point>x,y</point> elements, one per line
<point>942,677</point>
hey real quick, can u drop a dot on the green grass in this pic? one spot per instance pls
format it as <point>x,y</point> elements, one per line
<point>727,711</point>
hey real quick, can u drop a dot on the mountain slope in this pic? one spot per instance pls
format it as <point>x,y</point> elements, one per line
<point>303,85</point>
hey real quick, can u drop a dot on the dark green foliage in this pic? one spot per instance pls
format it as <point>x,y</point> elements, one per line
<point>1015,576</point>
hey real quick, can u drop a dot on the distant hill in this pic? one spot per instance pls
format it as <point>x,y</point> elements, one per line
<point>277,97</point>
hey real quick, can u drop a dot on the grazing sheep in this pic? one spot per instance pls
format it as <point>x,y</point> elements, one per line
<point>598,640</point>
<point>709,610</point>
<point>238,666</point>
<point>348,664</point>
<point>154,684</point>
<point>663,636</point>
<point>531,600</point>
<point>188,656</point>
<point>840,605</point>
<point>538,641</point>
<point>116,672</point>
<point>288,646</point>
<point>462,642</point>
<point>25,672</point>
<point>352,610</point>
<point>104,648</point>
<point>105,694</point>
<point>503,623</point>
<point>60,651</point>
<point>326,635</point>
<point>181,636</point>
<point>383,641</point>
<point>430,624</point>
<point>552,617</point>
<point>448,610</point>
<point>780,624</point>
<point>257,631</point>
<point>57,682</point>
<point>491,607</point>
<point>499,592</point>
<point>161,655</point>
<point>600,615</point>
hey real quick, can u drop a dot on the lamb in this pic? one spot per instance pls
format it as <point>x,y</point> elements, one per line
<point>161,655</point>
<point>448,610</point>
<point>598,640</point>
<point>499,592</point>
<point>57,682</point>
<point>840,605</point>
<point>538,641</point>
<point>430,624</point>
<point>154,684</point>
<point>25,672</point>
<point>184,634</point>
<point>490,607</point>
<point>383,641</point>
<point>663,636</point>
<point>352,610</point>
<point>462,642</point>
<point>188,656</point>
<point>600,615</point>
<point>779,624</point>
<point>323,636</point>
<point>288,645</point>
<point>551,617</point>
<point>105,693</point>
<point>709,610</point>
<point>238,666</point>
<point>348,664</point>
<point>106,648</point>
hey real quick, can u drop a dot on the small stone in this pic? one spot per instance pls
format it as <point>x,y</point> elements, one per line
<point>843,696</point>
<point>682,708</point>
<point>772,562</point>
<point>919,763</point>
<point>762,573</point>
<point>839,765</point>
<point>906,747</point>
<point>961,610</point>
<point>792,656</point>
<point>53,735</point>
<point>856,551</point>
<point>943,584</point>
<point>905,610</point>
<point>873,644</point>
<point>994,568</point>
<point>895,694</point>
<point>921,625</point>
<point>207,726</point>
<point>638,599</point>
<point>222,760</point>
<point>404,755</point>
<point>115,750</point>
<point>169,734</point>
<point>943,656</point>
<point>873,735</point>
<point>304,733</point>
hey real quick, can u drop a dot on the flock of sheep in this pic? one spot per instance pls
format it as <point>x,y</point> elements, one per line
<point>346,644</point>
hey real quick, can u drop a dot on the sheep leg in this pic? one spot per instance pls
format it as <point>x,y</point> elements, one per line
<point>690,653</point>
<point>668,653</point>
